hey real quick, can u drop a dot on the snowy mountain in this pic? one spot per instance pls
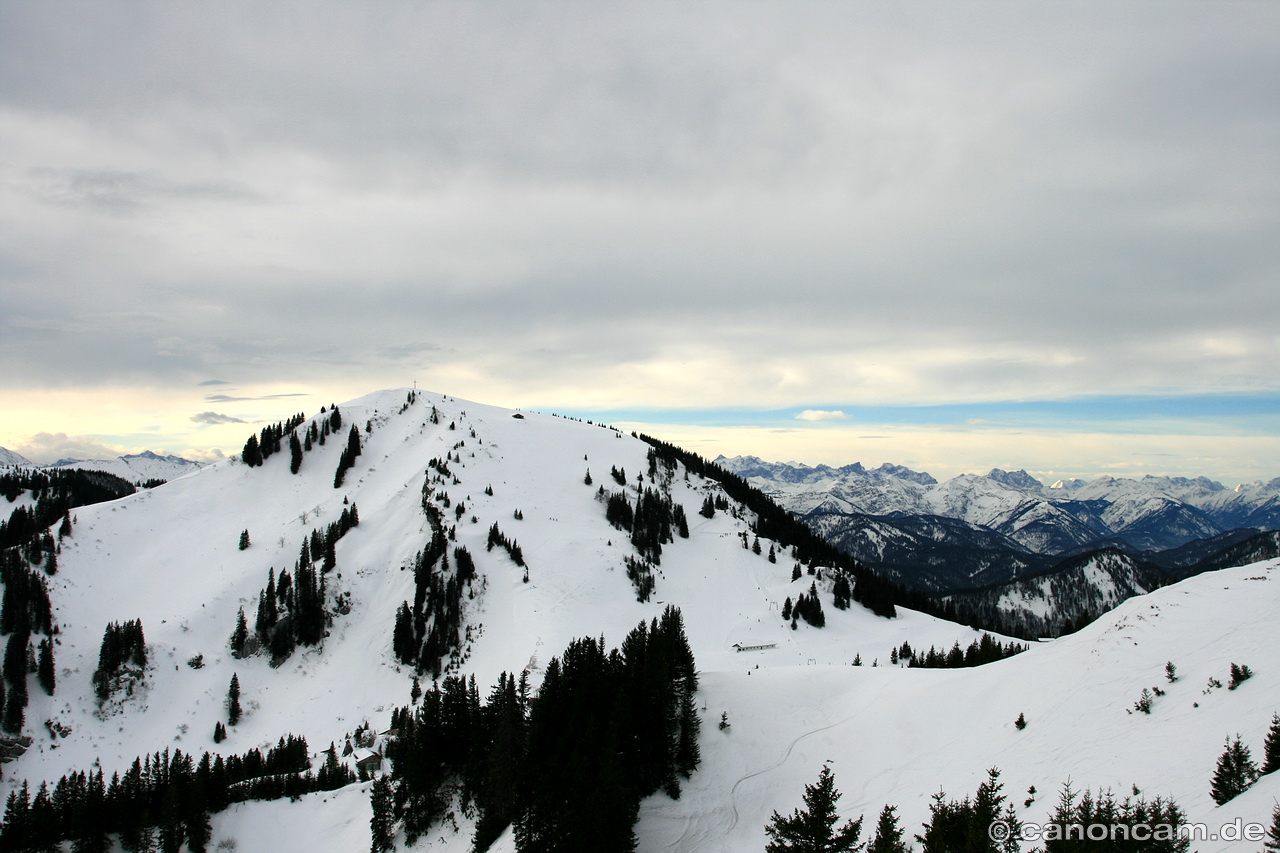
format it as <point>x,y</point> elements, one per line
<point>1078,589</point>
<point>137,468</point>
<point>9,458</point>
<point>185,558</point>
<point>873,514</point>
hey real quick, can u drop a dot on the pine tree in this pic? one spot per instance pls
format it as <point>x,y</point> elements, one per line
<point>170,824</point>
<point>240,636</point>
<point>1239,674</point>
<point>233,700</point>
<point>382,823</point>
<point>252,454</point>
<point>966,825</point>
<point>1235,772</point>
<point>295,453</point>
<point>196,815</point>
<point>888,837</point>
<point>1273,834</point>
<point>1271,748</point>
<point>814,829</point>
<point>45,670</point>
<point>244,540</point>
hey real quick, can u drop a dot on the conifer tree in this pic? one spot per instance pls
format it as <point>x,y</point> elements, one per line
<point>382,823</point>
<point>1271,747</point>
<point>966,825</point>
<point>240,636</point>
<point>1234,774</point>
<point>252,454</point>
<point>814,829</point>
<point>1273,833</point>
<point>1239,674</point>
<point>233,700</point>
<point>196,815</point>
<point>888,837</point>
<point>244,540</point>
<point>295,453</point>
<point>170,825</point>
<point>45,670</point>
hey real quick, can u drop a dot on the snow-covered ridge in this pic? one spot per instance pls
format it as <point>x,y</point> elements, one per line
<point>170,557</point>
<point>135,467</point>
<point>9,458</point>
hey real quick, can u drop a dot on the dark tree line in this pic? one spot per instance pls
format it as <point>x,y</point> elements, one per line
<point>122,659</point>
<point>1161,820</point>
<point>985,650</point>
<point>271,440</point>
<point>348,457</point>
<point>25,604</point>
<point>54,493</point>
<point>25,611</point>
<point>1236,770</point>
<point>984,823</point>
<point>568,767</point>
<point>292,608</point>
<point>428,632</point>
<point>654,520</point>
<point>710,505</point>
<point>807,606</point>
<point>259,448</point>
<point>163,800</point>
<point>498,539</point>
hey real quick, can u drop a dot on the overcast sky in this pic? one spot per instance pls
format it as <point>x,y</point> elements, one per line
<point>951,235</point>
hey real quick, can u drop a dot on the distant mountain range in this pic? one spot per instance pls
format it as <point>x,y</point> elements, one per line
<point>137,468</point>
<point>975,531</point>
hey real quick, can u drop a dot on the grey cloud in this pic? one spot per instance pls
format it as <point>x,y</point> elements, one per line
<point>223,398</point>
<point>399,352</point>
<point>121,192</point>
<point>45,448</point>
<point>824,203</point>
<point>216,418</point>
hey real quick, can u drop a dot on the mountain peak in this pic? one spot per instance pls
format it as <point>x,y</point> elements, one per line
<point>1019,479</point>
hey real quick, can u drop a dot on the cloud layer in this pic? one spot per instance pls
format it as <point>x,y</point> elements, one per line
<point>607,206</point>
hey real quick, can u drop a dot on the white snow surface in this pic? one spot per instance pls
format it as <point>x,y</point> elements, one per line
<point>9,458</point>
<point>169,556</point>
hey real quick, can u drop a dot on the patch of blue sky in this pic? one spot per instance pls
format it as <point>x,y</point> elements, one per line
<point>1230,413</point>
